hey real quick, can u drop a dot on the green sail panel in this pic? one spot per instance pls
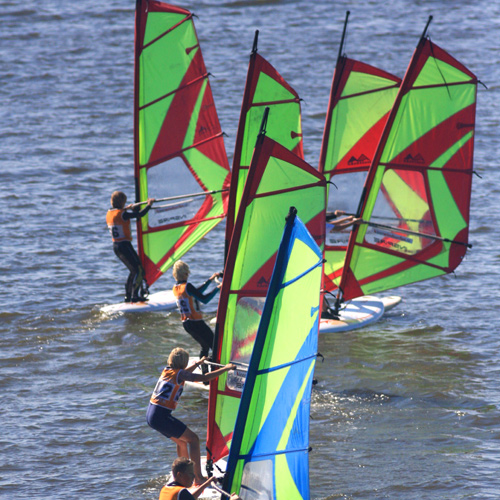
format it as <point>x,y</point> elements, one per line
<point>418,188</point>
<point>179,150</point>
<point>249,265</point>
<point>270,447</point>
<point>265,87</point>
<point>361,99</point>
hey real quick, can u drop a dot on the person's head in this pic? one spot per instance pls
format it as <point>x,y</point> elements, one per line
<point>178,359</point>
<point>118,199</point>
<point>180,271</point>
<point>183,471</point>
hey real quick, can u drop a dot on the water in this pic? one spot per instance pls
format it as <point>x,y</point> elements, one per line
<point>408,408</point>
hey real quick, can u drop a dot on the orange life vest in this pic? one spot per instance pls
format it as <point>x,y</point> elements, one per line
<point>188,306</point>
<point>168,390</point>
<point>118,226</point>
<point>170,492</point>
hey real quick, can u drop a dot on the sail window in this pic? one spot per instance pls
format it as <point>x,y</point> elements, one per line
<point>171,179</point>
<point>402,203</point>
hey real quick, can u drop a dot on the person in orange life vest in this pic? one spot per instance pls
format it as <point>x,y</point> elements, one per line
<point>118,221</point>
<point>183,476</point>
<point>188,298</point>
<point>164,400</point>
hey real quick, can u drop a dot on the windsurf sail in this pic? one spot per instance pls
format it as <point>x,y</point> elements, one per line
<point>417,194</point>
<point>276,178</point>
<point>361,99</point>
<point>270,447</point>
<point>264,87</point>
<point>179,152</point>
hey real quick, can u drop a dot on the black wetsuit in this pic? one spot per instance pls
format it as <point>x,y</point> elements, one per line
<point>125,251</point>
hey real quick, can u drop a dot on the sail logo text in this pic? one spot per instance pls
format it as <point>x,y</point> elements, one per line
<point>262,283</point>
<point>414,159</point>
<point>363,159</point>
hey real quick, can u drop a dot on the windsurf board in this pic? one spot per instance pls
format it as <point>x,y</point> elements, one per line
<point>358,313</point>
<point>159,301</point>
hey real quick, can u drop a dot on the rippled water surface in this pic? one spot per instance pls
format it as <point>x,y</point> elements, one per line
<point>406,409</point>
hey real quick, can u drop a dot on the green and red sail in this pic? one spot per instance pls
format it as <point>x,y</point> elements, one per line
<point>361,99</point>
<point>416,199</point>
<point>178,144</point>
<point>264,87</point>
<point>277,179</point>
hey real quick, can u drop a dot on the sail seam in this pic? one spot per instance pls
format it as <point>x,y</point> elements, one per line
<point>366,92</point>
<point>288,190</point>
<point>189,84</point>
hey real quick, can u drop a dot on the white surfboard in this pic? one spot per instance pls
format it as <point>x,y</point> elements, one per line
<point>159,301</point>
<point>358,313</point>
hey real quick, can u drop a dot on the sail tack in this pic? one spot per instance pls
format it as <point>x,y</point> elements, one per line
<point>269,452</point>
<point>417,193</point>
<point>179,147</point>
<point>277,178</point>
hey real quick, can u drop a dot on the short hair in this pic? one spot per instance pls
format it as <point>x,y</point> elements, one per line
<point>181,464</point>
<point>118,199</point>
<point>180,271</point>
<point>178,358</point>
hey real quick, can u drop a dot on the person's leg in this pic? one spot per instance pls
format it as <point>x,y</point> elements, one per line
<point>192,441</point>
<point>200,332</point>
<point>125,252</point>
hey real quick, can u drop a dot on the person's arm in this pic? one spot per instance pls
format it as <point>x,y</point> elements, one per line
<point>345,222</point>
<point>184,375</point>
<point>140,213</point>
<point>333,215</point>
<point>199,489</point>
<point>192,368</point>
<point>199,295</point>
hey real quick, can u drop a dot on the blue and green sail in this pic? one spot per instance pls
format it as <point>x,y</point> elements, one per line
<point>179,152</point>
<point>270,447</point>
<point>277,178</point>
<point>416,200</point>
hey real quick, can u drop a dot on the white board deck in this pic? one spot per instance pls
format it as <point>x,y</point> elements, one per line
<point>358,313</point>
<point>159,301</point>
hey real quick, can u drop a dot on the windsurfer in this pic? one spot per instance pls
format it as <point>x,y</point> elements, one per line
<point>188,298</point>
<point>183,477</point>
<point>165,398</point>
<point>118,221</point>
